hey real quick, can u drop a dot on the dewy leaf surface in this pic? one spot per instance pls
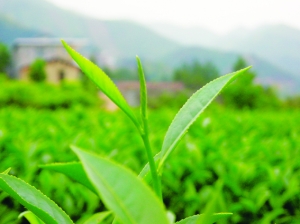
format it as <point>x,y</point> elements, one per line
<point>212,219</point>
<point>74,171</point>
<point>190,111</point>
<point>131,200</point>
<point>34,200</point>
<point>105,84</point>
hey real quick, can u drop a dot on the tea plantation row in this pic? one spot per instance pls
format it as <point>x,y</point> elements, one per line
<point>254,153</point>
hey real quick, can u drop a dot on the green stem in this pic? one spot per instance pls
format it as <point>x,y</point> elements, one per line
<point>155,179</point>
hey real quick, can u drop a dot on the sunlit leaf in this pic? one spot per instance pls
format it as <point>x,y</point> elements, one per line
<point>131,200</point>
<point>143,89</point>
<point>6,171</point>
<point>31,218</point>
<point>191,110</point>
<point>105,84</point>
<point>97,218</point>
<point>33,200</point>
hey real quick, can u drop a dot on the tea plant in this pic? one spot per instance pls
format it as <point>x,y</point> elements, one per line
<point>129,198</point>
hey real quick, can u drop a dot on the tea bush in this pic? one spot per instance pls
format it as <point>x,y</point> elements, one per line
<point>45,96</point>
<point>255,153</point>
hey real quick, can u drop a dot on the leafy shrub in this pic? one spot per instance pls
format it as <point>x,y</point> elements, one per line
<point>120,190</point>
<point>245,93</point>
<point>44,95</point>
<point>196,75</point>
<point>5,58</point>
<point>37,70</point>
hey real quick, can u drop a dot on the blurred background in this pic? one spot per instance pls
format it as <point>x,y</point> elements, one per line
<point>249,137</point>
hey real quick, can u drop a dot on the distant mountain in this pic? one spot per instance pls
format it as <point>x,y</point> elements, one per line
<point>119,41</point>
<point>278,44</point>
<point>10,30</point>
<point>118,38</point>
<point>268,74</point>
<point>194,36</point>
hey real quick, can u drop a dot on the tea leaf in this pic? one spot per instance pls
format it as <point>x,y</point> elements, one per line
<point>6,171</point>
<point>190,111</point>
<point>145,131</point>
<point>145,171</point>
<point>105,84</point>
<point>33,200</point>
<point>210,207</point>
<point>143,89</point>
<point>74,171</point>
<point>212,219</point>
<point>97,218</point>
<point>32,219</point>
<point>127,196</point>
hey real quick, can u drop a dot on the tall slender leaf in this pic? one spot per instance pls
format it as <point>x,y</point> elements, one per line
<point>143,89</point>
<point>190,111</point>
<point>145,133</point>
<point>74,171</point>
<point>131,200</point>
<point>33,200</point>
<point>105,84</point>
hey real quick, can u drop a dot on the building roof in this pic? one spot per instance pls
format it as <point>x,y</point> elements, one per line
<point>44,41</point>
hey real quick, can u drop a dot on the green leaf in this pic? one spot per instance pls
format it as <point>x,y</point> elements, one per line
<point>131,200</point>
<point>33,200</point>
<point>145,171</point>
<point>32,219</point>
<point>105,84</point>
<point>73,170</point>
<point>97,218</point>
<point>6,171</point>
<point>211,206</point>
<point>145,131</point>
<point>190,111</point>
<point>212,219</point>
<point>143,89</point>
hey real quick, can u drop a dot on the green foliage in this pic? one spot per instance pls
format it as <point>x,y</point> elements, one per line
<point>45,96</point>
<point>120,190</point>
<point>37,72</point>
<point>33,200</point>
<point>121,74</point>
<point>196,75</point>
<point>245,93</point>
<point>5,58</point>
<point>169,100</point>
<point>253,168</point>
<point>292,102</point>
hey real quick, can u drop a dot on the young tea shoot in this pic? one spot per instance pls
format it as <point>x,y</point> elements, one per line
<point>126,196</point>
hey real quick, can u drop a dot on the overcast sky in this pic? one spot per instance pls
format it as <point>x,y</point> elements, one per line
<point>219,16</point>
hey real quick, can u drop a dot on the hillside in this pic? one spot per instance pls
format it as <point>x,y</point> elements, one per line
<point>117,42</point>
<point>10,30</point>
<point>268,74</point>
<point>278,44</point>
<point>119,38</point>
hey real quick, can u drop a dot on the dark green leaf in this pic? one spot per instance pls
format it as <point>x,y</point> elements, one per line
<point>33,200</point>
